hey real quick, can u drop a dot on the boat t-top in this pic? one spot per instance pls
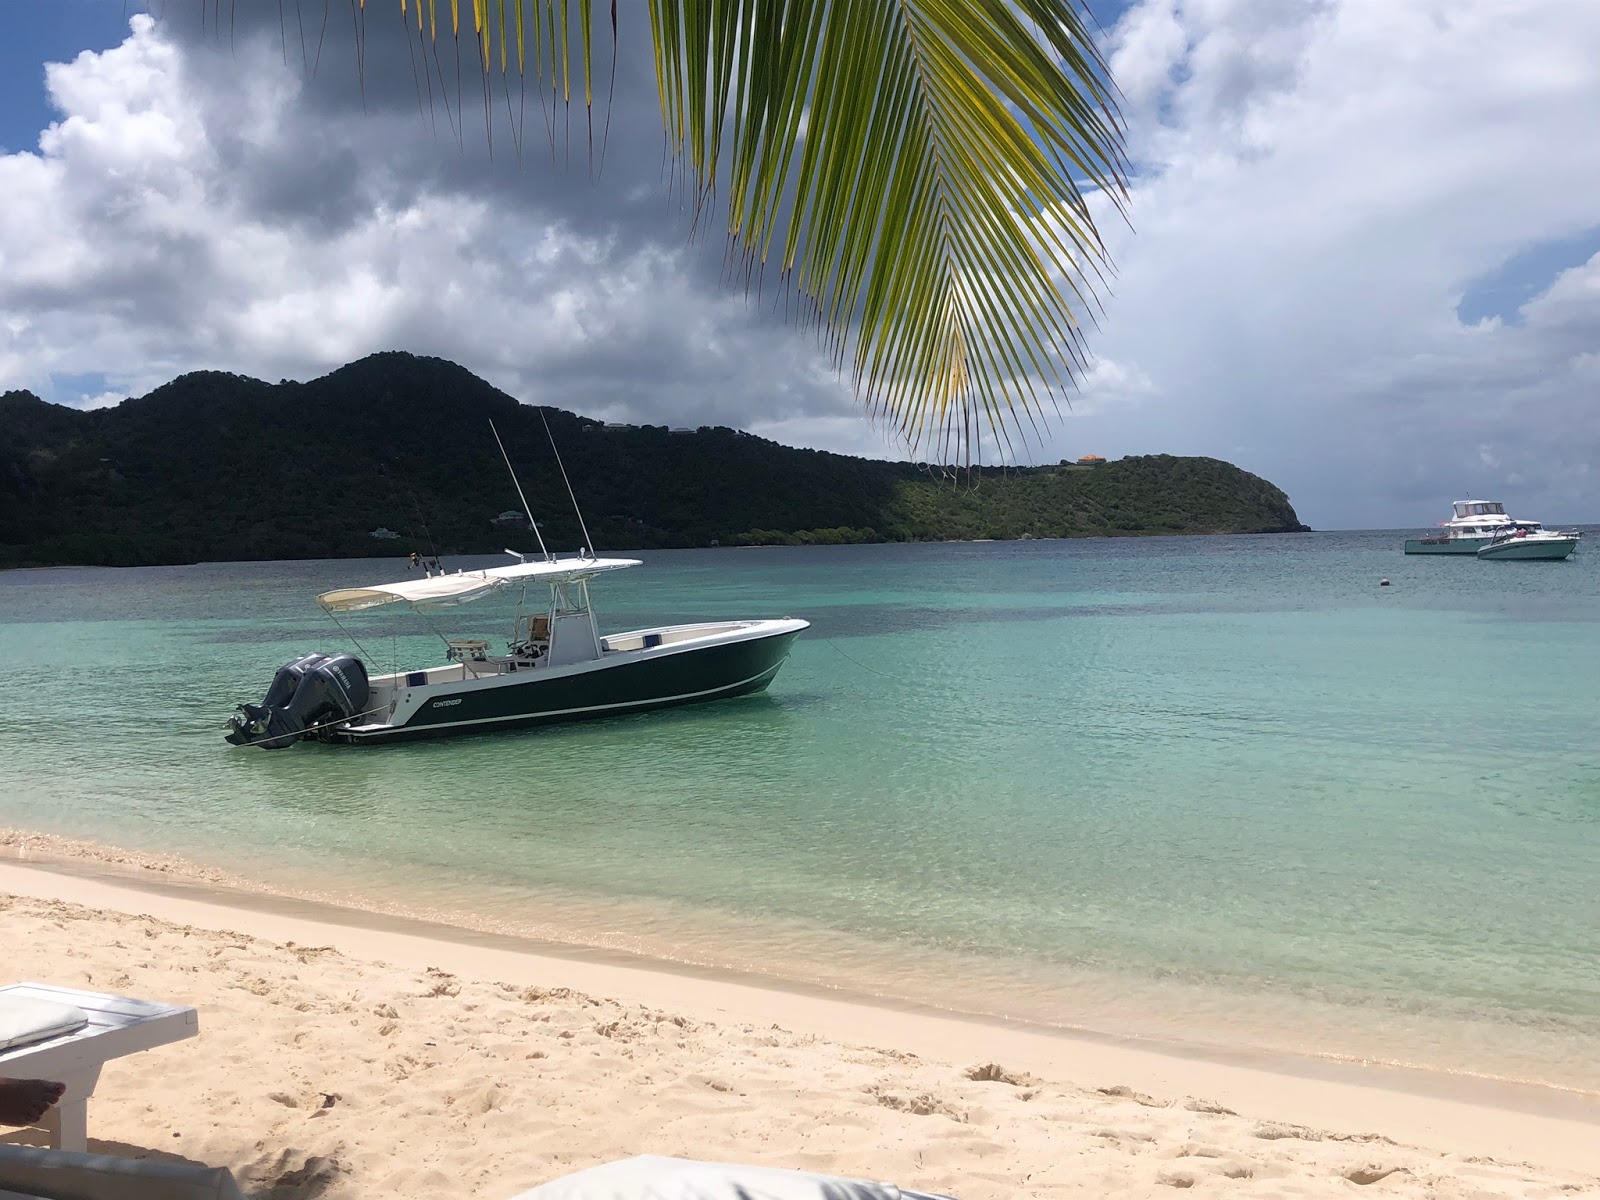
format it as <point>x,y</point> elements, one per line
<point>556,665</point>
<point>1482,528</point>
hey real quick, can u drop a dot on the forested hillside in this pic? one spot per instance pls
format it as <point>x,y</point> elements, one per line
<point>216,467</point>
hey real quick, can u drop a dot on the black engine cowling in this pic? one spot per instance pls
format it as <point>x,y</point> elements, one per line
<point>306,694</point>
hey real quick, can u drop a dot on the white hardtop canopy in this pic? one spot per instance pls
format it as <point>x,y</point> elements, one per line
<point>1478,508</point>
<point>440,591</point>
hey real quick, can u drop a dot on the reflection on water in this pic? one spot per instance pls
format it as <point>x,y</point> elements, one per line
<point>1223,789</point>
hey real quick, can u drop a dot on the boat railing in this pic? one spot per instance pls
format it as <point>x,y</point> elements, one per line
<point>665,637</point>
<point>1510,534</point>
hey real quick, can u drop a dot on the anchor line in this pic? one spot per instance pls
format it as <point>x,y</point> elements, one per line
<point>861,664</point>
<point>337,721</point>
<point>344,720</point>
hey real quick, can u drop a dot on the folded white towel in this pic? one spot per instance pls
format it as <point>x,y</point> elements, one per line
<point>24,1021</point>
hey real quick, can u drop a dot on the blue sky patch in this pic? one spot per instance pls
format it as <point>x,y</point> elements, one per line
<point>73,388</point>
<point>41,31</point>
<point>1530,271</point>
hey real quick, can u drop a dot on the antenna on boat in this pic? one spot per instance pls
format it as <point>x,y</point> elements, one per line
<point>588,542</point>
<point>532,524</point>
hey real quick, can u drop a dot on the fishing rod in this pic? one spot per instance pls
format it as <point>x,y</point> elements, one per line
<point>532,524</point>
<point>588,542</point>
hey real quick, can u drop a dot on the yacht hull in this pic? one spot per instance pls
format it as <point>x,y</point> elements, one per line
<point>629,683</point>
<point>1441,545</point>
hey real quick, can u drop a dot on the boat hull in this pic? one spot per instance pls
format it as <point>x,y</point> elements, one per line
<point>1550,549</point>
<point>664,678</point>
<point>1442,545</point>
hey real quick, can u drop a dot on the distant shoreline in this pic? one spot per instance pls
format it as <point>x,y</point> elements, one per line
<point>206,464</point>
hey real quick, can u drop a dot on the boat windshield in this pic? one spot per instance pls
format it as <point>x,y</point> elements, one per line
<point>1479,508</point>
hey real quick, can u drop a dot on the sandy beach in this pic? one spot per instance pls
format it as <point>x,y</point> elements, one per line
<point>344,1054</point>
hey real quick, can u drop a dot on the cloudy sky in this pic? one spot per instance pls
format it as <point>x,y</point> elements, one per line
<point>1363,261</point>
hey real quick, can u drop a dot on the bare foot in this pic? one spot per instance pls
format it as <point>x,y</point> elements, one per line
<point>24,1101</point>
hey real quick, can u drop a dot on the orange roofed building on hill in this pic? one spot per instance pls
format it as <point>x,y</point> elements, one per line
<point>1090,460</point>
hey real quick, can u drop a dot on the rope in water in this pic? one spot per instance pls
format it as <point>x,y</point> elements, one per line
<point>326,724</point>
<point>861,664</point>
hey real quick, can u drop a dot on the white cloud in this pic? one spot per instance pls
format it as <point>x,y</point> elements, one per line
<point>1318,184</point>
<point>1572,302</point>
<point>190,210</point>
<point>1152,43</point>
<point>1109,384</point>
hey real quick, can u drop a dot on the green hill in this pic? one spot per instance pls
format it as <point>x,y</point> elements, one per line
<point>215,467</point>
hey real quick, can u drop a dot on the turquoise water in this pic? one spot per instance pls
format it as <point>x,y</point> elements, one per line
<point>1223,790</point>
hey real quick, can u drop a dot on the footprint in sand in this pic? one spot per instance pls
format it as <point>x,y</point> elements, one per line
<point>1123,1092</point>
<point>1195,1104</point>
<point>1372,1172</point>
<point>995,1073</point>
<point>921,1105</point>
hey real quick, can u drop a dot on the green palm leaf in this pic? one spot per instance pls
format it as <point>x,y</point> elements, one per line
<point>918,170</point>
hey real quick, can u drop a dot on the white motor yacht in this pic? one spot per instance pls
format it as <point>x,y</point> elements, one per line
<point>1482,528</point>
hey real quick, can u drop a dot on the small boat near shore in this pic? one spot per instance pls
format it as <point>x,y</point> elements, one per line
<point>1482,528</point>
<point>556,667</point>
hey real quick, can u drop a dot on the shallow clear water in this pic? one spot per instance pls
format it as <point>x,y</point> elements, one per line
<point>1224,790</point>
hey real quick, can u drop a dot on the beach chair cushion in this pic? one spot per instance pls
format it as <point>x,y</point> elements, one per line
<point>24,1021</point>
<point>655,1177</point>
<point>62,1175</point>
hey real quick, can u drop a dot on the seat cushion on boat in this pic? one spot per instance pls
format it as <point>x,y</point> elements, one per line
<point>24,1021</point>
<point>64,1175</point>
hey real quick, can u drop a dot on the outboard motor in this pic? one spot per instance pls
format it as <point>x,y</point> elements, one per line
<point>312,691</point>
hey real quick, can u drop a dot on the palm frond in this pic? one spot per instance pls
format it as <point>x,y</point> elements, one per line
<point>919,171</point>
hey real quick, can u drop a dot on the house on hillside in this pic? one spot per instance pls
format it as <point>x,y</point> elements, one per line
<point>510,517</point>
<point>1090,460</point>
<point>680,429</point>
<point>383,534</point>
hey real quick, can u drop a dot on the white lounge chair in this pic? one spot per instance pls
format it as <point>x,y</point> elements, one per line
<point>48,1041</point>
<point>652,1177</point>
